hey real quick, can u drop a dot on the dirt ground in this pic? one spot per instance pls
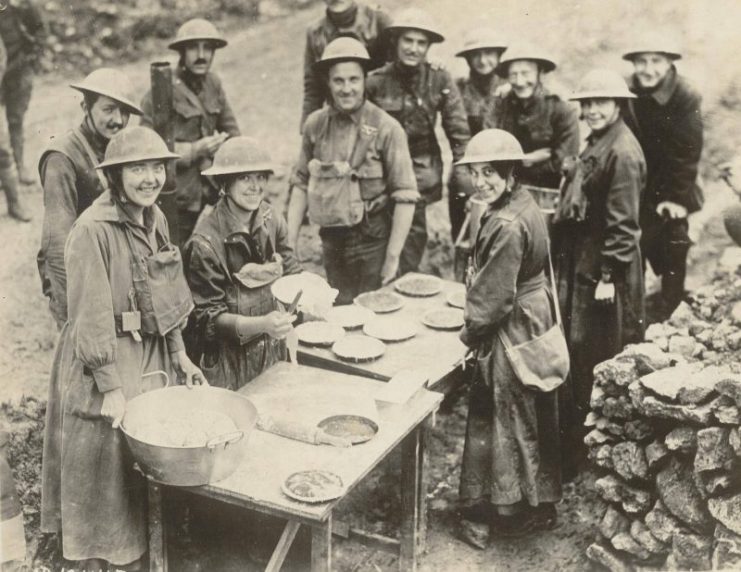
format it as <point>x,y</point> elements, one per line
<point>261,70</point>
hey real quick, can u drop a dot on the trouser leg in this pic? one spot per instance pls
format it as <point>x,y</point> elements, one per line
<point>17,86</point>
<point>414,247</point>
<point>333,249</point>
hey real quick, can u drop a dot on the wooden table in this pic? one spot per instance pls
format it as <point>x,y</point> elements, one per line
<point>440,353</point>
<point>256,484</point>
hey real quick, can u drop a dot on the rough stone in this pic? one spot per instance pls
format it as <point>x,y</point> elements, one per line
<point>730,259</point>
<point>734,341</point>
<point>736,313</point>
<point>629,461</point>
<point>656,452</point>
<point>683,316</point>
<point>714,451</point>
<point>677,490</point>
<point>638,430</point>
<point>660,330</point>
<point>647,357</point>
<point>731,387</point>
<point>618,408</point>
<point>726,411</point>
<point>601,456</point>
<point>727,552</point>
<point>705,337</point>
<point>734,439</point>
<point>613,522</point>
<point>607,426</point>
<point>684,345</point>
<point>596,437</point>
<point>650,406</point>
<point>591,419</point>
<point>607,558</point>
<point>619,372</point>
<point>715,484</point>
<point>667,383</point>
<point>721,337</point>
<point>702,385</point>
<point>681,439</point>
<point>597,398</point>
<point>633,499</point>
<point>692,551</point>
<point>698,326</point>
<point>625,542</point>
<point>642,534</point>
<point>727,510</point>
<point>661,523</point>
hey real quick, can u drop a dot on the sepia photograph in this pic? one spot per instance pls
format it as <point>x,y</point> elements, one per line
<point>370,285</point>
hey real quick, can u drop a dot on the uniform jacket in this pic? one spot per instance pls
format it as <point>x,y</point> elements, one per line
<point>479,98</point>
<point>329,135</point>
<point>196,116</point>
<point>415,98</point>
<point>23,30</point>
<point>542,121</point>
<point>366,27</point>
<point>91,493</point>
<point>668,124</point>
<point>71,184</point>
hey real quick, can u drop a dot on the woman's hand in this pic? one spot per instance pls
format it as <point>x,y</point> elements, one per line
<point>187,370</point>
<point>390,269</point>
<point>605,292</point>
<point>278,324</point>
<point>671,210</point>
<point>114,407</point>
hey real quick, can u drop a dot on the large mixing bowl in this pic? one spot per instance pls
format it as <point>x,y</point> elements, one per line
<point>190,466</point>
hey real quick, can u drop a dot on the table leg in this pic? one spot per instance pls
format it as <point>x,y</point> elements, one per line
<point>414,480</point>
<point>283,546</point>
<point>321,546</point>
<point>157,544</point>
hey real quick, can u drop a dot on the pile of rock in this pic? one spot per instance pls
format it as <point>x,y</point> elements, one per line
<point>665,438</point>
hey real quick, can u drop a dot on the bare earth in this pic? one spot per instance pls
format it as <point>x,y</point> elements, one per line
<point>262,71</point>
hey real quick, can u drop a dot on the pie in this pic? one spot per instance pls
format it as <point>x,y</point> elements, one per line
<point>354,428</point>
<point>317,333</point>
<point>350,316</point>
<point>317,295</point>
<point>380,301</point>
<point>183,428</point>
<point>358,348</point>
<point>419,285</point>
<point>389,329</point>
<point>313,486</point>
<point>457,298</point>
<point>444,319</point>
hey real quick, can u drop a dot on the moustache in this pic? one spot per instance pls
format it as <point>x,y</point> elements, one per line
<point>200,61</point>
<point>114,125</point>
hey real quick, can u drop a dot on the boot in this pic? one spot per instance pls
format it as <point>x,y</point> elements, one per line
<point>25,176</point>
<point>10,183</point>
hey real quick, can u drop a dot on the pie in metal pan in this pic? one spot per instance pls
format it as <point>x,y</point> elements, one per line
<point>355,428</point>
<point>380,301</point>
<point>350,316</point>
<point>390,329</point>
<point>358,349</point>
<point>313,486</point>
<point>420,286</point>
<point>456,298</point>
<point>316,333</point>
<point>444,319</point>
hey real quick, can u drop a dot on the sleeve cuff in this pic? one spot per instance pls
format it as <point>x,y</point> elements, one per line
<point>406,196</point>
<point>106,378</point>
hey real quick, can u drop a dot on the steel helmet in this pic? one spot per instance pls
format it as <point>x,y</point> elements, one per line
<point>602,83</point>
<point>481,39</point>
<point>110,83</point>
<point>522,52</point>
<point>492,145</point>
<point>240,155</point>
<point>655,41</point>
<point>135,144</point>
<point>197,29</point>
<point>343,49</point>
<point>416,19</point>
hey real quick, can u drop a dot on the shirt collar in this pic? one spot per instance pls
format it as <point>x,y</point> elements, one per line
<point>354,116</point>
<point>108,209</point>
<point>230,223</point>
<point>663,92</point>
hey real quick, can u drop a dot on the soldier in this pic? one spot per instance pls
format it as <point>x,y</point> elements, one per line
<point>415,93</point>
<point>546,127</point>
<point>480,91</point>
<point>203,119</point>
<point>343,18</point>
<point>23,31</point>
<point>8,173</point>
<point>69,176</point>
<point>355,176</point>
<point>667,120</point>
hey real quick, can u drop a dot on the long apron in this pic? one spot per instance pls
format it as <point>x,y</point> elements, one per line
<point>512,450</point>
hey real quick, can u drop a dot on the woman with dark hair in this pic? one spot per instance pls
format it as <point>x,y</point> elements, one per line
<point>510,479</point>
<point>236,252</point>
<point>597,241</point>
<point>546,127</point>
<point>127,299</point>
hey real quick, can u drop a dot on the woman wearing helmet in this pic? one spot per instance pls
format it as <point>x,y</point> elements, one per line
<point>597,242</point>
<point>236,252</point>
<point>546,127</point>
<point>127,301</point>
<point>510,477</point>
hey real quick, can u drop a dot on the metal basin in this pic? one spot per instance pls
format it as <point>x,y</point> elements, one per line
<point>190,466</point>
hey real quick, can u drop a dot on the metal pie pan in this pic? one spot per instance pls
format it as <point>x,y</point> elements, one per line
<point>431,286</point>
<point>335,489</point>
<point>355,428</point>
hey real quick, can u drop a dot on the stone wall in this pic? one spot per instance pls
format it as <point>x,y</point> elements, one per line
<point>666,443</point>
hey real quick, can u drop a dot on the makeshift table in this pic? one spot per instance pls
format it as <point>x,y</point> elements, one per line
<point>256,484</point>
<point>438,352</point>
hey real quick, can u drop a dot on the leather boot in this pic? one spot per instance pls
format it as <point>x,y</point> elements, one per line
<point>10,183</point>
<point>25,176</point>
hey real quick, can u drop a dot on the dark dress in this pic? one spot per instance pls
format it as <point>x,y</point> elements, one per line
<point>606,243</point>
<point>512,450</point>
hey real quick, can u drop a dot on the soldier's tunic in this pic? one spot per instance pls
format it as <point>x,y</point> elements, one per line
<point>415,97</point>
